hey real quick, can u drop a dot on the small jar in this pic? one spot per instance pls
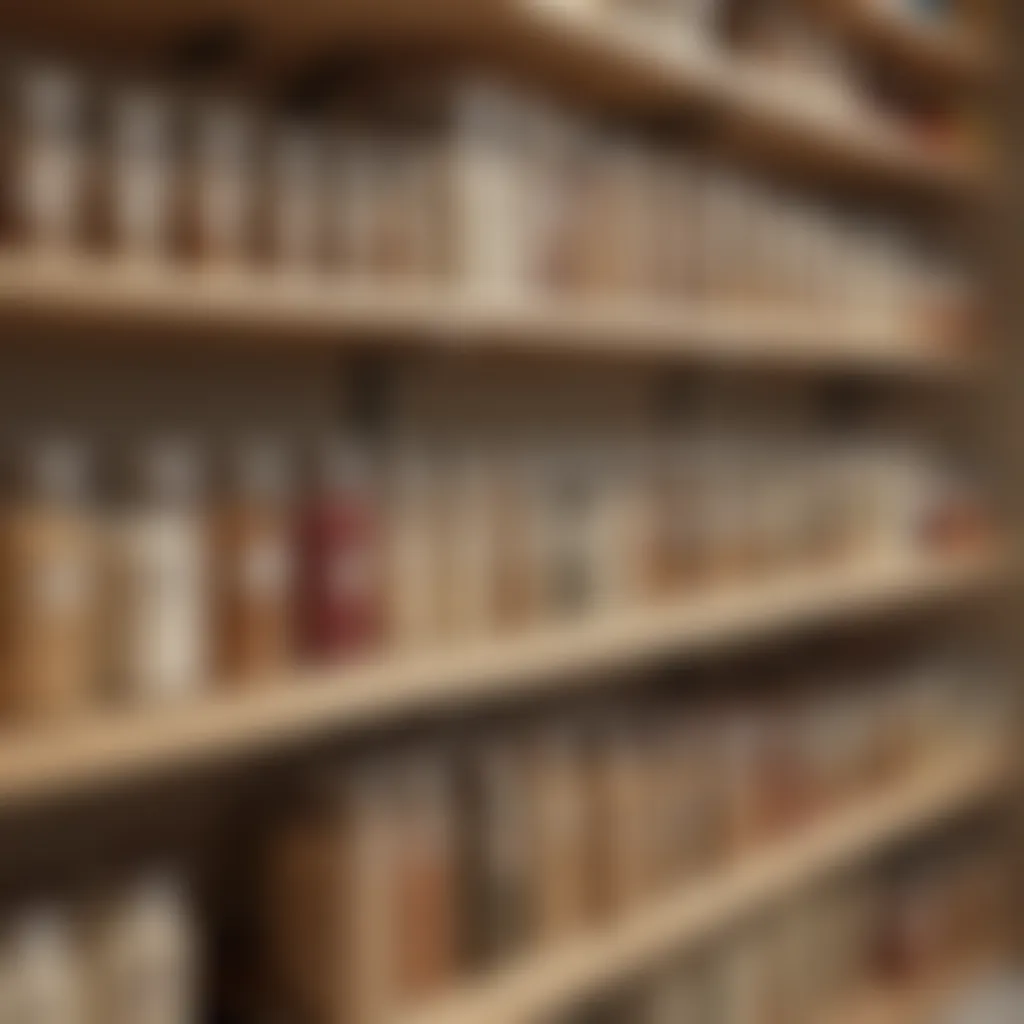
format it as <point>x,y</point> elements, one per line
<point>339,558</point>
<point>139,175</point>
<point>43,160</point>
<point>141,957</point>
<point>496,851</point>
<point>41,968</point>
<point>48,596</point>
<point>253,557</point>
<point>215,210</point>
<point>426,904</point>
<point>562,874</point>
<point>158,573</point>
<point>294,234</point>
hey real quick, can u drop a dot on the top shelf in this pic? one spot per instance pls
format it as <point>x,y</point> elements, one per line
<point>601,57</point>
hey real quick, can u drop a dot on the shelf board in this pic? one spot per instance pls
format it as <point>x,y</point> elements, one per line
<point>940,54</point>
<point>118,747</point>
<point>96,298</point>
<point>554,980</point>
<point>574,46</point>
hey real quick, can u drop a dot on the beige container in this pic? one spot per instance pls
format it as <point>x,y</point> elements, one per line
<point>157,578</point>
<point>44,163</point>
<point>48,597</point>
<point>330,904</point>
<point>40,970</point>
<point>140,955</point>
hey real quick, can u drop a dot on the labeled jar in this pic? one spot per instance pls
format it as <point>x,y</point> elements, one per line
<point>425,879</point>
<point>339,557</point>
<point>294,231</point>
<point>215,216</point>
<point>44,159</point>
<point>158,576</point>
<point>140,955</point>
<point>496,853</point>
<point>139,175</point>
<point>562,834</point>
<point>330,900</point>
<point>41,968</point>
<point>48,597</point>
<point>253,554</point>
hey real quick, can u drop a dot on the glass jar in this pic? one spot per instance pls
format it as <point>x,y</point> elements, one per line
<point>295,232</point>
<point>158,570</point>
<point>139,175</point>
<point>339,559</point>
<point>43,158</point>
<point>253,568</point>
<point>215,215</point>
<point>49,572</point>
<point>141,956</point>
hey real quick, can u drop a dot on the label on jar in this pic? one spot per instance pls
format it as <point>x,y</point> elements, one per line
<point>264,569</point>
<point>58,588</point>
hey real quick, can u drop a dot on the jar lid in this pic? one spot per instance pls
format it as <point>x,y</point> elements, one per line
<point>342,466</point>
<point>52,468</point>
<point>258,468</point>
<point>165,471</point>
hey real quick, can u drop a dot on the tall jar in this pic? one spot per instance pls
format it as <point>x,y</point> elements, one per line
<point>339,556</point>
<point>294,234</point>
<point>140,955</point>
<point>496,853</point>
<point>37,951</point>
<point>253,558</point>
<point>426,902</point>
<point>158,570</point>
<point>139,175</point>
<point>43,159</point>
<point>48,592</point>
<point>214,215</point>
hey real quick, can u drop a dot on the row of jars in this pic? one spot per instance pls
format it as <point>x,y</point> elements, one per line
<point>435,179</point>
<point>143,579</point>
<point>455,858</point>
<point>894,931</point>
<point>128,954</point>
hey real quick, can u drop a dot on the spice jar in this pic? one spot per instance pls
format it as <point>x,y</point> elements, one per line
<point>339,559</point>
<point>141,957</point>
<point>496,853</point>
<point>158,615</point>
<point>38,953</point>
<point>48,596</point>
<point>215,212</point>
<point>425,882</point>
<point>43,159</point>
<point>330,902</point>
<point>139,177</point>
<point>253,554</point>
<point>562,835</point>
<point>294,236</point>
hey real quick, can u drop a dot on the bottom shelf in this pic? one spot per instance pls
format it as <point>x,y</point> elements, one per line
<point>550,981</point>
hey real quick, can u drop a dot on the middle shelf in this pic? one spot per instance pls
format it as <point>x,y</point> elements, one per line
<point>131,746</point>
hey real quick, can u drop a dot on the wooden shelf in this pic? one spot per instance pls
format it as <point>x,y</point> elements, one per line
<point>554,980</point>
<point>94,298</point>
<point>937,54</point>
<point>132,746</point>
<point>574,46</point>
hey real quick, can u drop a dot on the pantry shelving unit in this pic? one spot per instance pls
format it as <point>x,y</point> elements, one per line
<point>624,67</point>
<point>286,712</point>
<point>553,980</point>
<point>238,308</point>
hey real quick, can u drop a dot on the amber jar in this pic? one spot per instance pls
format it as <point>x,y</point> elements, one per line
<point>48,591</point>
<point>426,892</point>
<point>329,902</point>
<point>339,557</point>
<point>253,553</point>
<point>43,159</point>
<point>563,819</point>
<point>157,569</point>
